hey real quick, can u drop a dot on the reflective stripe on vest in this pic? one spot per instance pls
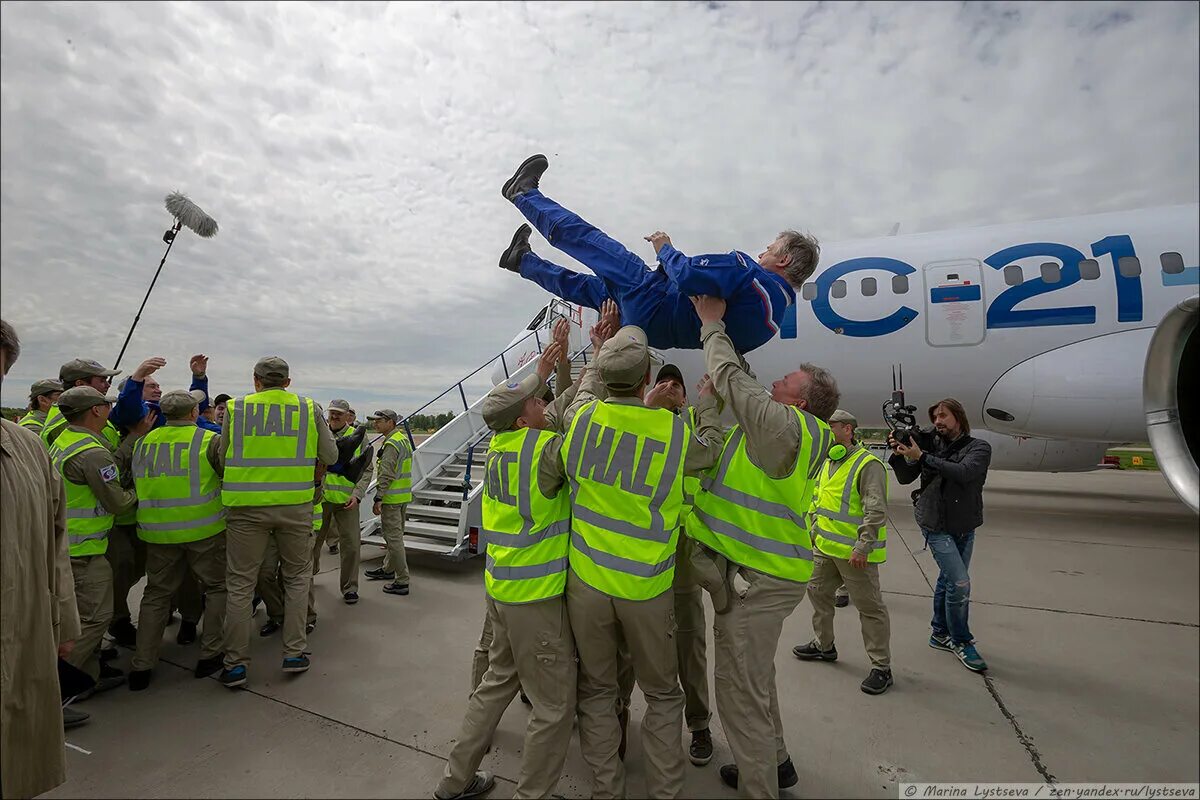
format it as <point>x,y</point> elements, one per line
<point>526,532</point>
<point>337,488</point>
<point>179,493</point>
<point>270,458</point>
<point>758,521</point>
<point>88,522</point>
<point>318,516</point>
<point>33,421</point>
<point>625,464</point>
<point>838,510</point>
<point>691,484</point>
<point>399,491</point>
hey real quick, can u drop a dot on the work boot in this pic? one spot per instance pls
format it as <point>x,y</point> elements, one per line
<point>296,664</point>
<point>482,783</point>
<point>186,634</point>
<point>811,652</point>
<point>139,680</point>
<point>269,628</point>
<point>208,666</point>
<point>970,657</point>
<point>73,718</point>
<point>380,574</point>
<point>350,598</point>
<point>786,775</point>
<point>525,178</point>
<point>123,633</point>
<point>701,749</point>
<point>878,681</point>
<point>623,719</point>
<point>510,259</point>
<point>233,678</point>
<point>396,588</point>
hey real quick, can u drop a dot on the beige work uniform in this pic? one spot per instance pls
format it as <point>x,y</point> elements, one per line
<point>248,531</point>
<point>746,637</point>
<point>862,584</point>
<point>37,613</point>
<point>270,581</point>
<point>93,575</point>
<point>126,556</point>
<point>690,645</point>
<point>391,516</point>
<point>343,525</point>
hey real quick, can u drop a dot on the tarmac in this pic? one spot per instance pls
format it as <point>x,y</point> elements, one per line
<point>1084,601</point>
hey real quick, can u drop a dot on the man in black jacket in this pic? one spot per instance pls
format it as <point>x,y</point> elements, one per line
<point>949,507</point>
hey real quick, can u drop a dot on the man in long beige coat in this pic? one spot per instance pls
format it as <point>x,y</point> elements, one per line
<point>38,619</point>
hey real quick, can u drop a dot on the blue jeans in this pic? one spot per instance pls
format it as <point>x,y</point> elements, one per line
<point>952,594</point>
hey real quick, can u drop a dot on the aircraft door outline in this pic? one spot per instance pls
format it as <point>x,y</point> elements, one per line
<point>955,304</point>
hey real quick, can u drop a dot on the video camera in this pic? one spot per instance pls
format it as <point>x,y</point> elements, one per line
<point>901,418</point>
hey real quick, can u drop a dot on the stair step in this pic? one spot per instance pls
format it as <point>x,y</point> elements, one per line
<point>417,543</point>
<point>434,494</point>
<point>421,510</point>
<point>445,533</point>
<point>452,480</point>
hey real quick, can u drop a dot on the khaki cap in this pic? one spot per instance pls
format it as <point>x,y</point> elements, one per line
<point>385,413</point>
<point>80,369</point>
<point>505,402</point>
<point>624,359</point>
<point>339,405</point>
<point>179,403</point>
<point>843,416</point>
<point>272,367</point>
<point>45,386</point>
<point>80,399</point>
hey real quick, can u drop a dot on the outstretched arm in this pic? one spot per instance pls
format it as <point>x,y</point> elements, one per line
<point>713,275</point>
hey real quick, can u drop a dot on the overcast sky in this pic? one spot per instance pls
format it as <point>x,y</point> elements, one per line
<point>353,156</point>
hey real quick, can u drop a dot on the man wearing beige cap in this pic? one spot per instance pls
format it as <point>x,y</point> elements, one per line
<point>393,493</point>
<point>848,518</point>
<point>95,497</point>
<point>754,552</point>
<point>42,396</point>
<point>81,372</point>
<point>271,441</point>
<point>626,464</point>
<point>342,497</point>
<point>177,473</point>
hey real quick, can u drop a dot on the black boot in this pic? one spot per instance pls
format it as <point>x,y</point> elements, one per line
<point>526,177</point>
<point>785,773</point>
<point>139,679</point>
<point>511,259</point>
<point>123,632</point>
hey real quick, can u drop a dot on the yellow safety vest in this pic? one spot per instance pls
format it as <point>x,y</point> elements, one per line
<point>33,421</point>
<point>399,491</point>
<point>337,488</point>
<point>270,458</point>
<point>691,483</point>
<point>757,521</point>
<point>318,516</point>
<point>88,522</point>
<point>526,532</point>
<point>838,510</point>
<point>625,465</point>
<point>179,492</point>
<point>56,423</point>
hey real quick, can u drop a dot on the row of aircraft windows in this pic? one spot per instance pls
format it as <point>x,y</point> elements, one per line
<point>1051,272</point>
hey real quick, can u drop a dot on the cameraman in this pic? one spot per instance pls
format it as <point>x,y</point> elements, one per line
<point>949,507</point>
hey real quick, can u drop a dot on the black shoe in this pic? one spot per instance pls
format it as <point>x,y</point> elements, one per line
<point>701,749</point>
<point>878,681</point>
<point>186,634</point>
<point>298,663</point>
<point>269,628</point>
<point>73,718</point>
<point>139,680</point>
<point>333,549</point>
<point>786,775</point>
<point>351,598</point>
<point>841,601</point>
<point>123,633</point>
<point>623,718</point>
<point>110,678</point>
<point>208,666</point>
<point>510,259</point>
<point>108,654</point>
<point>396,588</point>
<point>380,575</point>
<point>233,678</point>
<point>526,177</point>
<point>310,627</point>
<point>810,652</point>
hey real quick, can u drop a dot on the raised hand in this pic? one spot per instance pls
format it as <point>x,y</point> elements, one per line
<point>709,308</point>
<point>199,365</point>
<point>148,368</point>
<point>657,240</point>
<point>666,394</point>
<point>705,387</point>
<point>549,360</point>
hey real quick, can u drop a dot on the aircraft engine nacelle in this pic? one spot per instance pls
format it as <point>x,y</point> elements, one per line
<point>1171,399</point>
<point>1024,454</point>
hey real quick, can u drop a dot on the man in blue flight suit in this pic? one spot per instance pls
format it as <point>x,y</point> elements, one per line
<point>757,293</point>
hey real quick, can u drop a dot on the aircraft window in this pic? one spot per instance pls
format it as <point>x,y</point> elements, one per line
<point>1051,272</point>
<point>839,289</point>
<point>809,291</point>
<point>900,284</point>
<point>869,287</point>
<point>1129,266</point>
<point>538,320</point>
<point>1172,263</point>
<point>1089,269</point>
<point>1013,275</point>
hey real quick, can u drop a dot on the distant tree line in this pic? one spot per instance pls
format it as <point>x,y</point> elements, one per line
<point>429,422</point>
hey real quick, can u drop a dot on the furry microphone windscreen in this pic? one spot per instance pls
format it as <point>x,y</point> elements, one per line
<point>191,215</point>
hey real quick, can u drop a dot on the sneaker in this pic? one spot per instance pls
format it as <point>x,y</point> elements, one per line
<point>73,718</point>
<point>350,597</point>
<point>700,751</point>
<point>811,652</point>
<point>208,666</point>
<point>482,783</point>
<point>296,664</point>
<point>841,601</point>
<point>941,641</point>
<point>186,633</point>
<point>233,678</point>
<point>380,575</point>
<point>396,588</point>
<point>786,775</point>
<point>139,680</point>
<point>970,657</point>
<point>123,633</point>
<point>269,628</point>
<point>878,681</point>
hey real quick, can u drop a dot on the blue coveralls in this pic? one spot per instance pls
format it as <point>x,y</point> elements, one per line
<point>655,300</point>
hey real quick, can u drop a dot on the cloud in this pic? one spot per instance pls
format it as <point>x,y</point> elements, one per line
<point>353,154</point>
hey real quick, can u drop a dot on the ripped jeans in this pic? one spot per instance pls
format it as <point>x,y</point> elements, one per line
<point>952,595</point>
